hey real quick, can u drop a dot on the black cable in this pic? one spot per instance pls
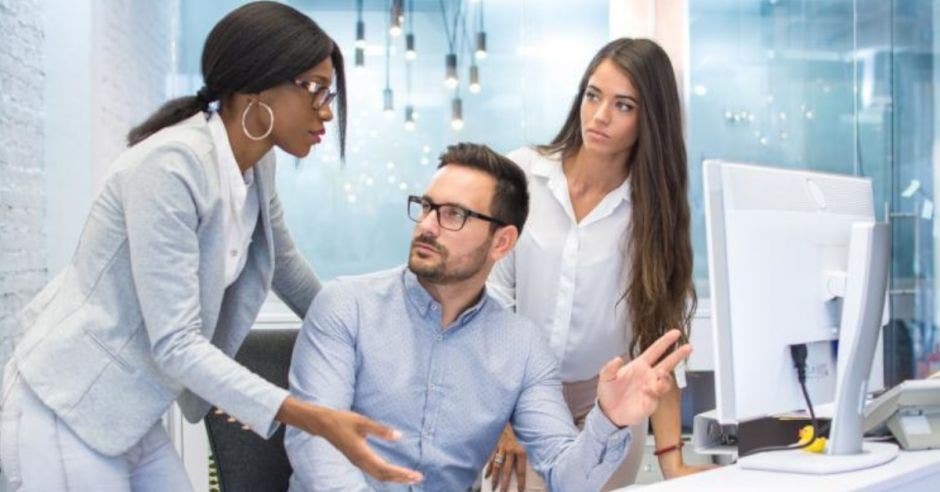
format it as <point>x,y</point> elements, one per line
<point>451,34</point>
<point>798,353</point>
<point>466,39</point>
<point>388,49</point>
<point>411,15</point>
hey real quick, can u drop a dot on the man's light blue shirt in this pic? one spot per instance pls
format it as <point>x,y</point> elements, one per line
<point>374,344</point>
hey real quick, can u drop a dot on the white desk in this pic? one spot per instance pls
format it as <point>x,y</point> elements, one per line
<point>910,471</point>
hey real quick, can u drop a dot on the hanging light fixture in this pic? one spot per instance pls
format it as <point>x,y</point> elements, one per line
<point>388,104</point>
<point>451,79</point>
<point>360,27</point>
<point>360,53</point>
<point>456,113</point>
<point>397,16</point>
<point>410,52</point>
<point>481,34</point>
<point>450,60</point>
<point>360,34</point>
<point>409,108</point>
<point>360,58</point>
<point>475,79</point>
<point>410,118</point>
<point>481,45</point>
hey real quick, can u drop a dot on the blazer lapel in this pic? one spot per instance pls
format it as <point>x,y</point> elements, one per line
<point>264,177</point>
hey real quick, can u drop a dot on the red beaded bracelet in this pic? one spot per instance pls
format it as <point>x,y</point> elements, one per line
<point>668,449</point>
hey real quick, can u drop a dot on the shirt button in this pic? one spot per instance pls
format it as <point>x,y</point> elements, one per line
<point>233,253</point>
<point>440,337</point>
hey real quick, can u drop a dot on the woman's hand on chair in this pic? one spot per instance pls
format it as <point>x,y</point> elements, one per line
<point>508,457</point>
<point>232,420</point>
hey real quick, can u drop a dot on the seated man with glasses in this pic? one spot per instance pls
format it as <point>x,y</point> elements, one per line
<point>425,349</point>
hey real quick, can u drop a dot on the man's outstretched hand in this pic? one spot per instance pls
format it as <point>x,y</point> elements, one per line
<point>629,393</point>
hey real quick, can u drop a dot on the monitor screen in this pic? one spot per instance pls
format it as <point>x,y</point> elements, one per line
<point>776,239</point>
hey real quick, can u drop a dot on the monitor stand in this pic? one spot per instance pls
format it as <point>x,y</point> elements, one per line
<point>800,461</point>
<point>866,282</point>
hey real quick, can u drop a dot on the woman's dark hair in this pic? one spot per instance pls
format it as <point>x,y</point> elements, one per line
<point>659,291</point>
<point>511,197</point>
<point>253,48</point>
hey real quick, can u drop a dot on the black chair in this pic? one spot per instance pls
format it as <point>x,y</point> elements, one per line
<point>244,461</point>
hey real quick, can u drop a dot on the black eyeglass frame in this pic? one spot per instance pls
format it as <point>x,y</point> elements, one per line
<point>435,207</point>
<point>314,88</point>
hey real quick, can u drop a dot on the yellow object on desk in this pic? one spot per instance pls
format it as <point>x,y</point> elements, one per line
<point>818,445</point>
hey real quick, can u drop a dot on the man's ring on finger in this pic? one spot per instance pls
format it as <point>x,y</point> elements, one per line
<point>499,458</point>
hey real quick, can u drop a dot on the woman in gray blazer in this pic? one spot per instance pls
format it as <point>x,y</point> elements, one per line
<point>177,255</point>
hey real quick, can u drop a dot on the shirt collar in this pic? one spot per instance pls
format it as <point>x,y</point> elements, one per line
<point>228,166</point>
<point>622,191</point>
<point>424,303</point>
<point>550,167</point>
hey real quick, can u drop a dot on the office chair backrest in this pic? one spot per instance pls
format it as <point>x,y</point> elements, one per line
<point>244,461</point>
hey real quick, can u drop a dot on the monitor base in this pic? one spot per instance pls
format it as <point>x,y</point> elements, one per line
<point>800,461</point>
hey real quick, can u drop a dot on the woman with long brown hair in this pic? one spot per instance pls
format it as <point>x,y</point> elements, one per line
<point>605,266</point>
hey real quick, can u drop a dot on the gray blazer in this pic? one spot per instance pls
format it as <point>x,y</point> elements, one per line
<point>141,317</point>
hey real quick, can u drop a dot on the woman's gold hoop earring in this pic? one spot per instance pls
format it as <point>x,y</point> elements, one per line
<point>245,115</point>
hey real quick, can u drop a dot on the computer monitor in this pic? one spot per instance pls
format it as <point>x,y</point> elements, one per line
<point>782,273</point>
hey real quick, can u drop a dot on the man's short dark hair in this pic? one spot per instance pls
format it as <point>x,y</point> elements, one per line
<point>511,197</point>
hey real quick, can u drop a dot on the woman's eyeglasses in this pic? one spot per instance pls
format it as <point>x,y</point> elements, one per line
<point>321,94</point>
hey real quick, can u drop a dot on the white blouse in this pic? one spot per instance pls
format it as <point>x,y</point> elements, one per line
<point>241,206</point>
<point>567,276</point>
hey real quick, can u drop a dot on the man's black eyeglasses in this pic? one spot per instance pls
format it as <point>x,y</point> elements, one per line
<point>449,216</point>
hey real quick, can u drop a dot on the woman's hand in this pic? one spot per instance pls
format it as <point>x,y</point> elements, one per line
<point>231,420</point>
<point>509,456</point>
<point>347,432</point>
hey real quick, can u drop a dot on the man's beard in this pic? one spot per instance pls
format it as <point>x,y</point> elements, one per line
<point>440,272</point>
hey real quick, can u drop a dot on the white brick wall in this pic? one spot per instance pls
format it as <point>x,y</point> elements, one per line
<point>22,209</point>
<point>75,76</point>
<point>132,59</point>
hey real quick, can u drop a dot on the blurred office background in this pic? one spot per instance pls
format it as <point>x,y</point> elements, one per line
<point>847,86</point>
